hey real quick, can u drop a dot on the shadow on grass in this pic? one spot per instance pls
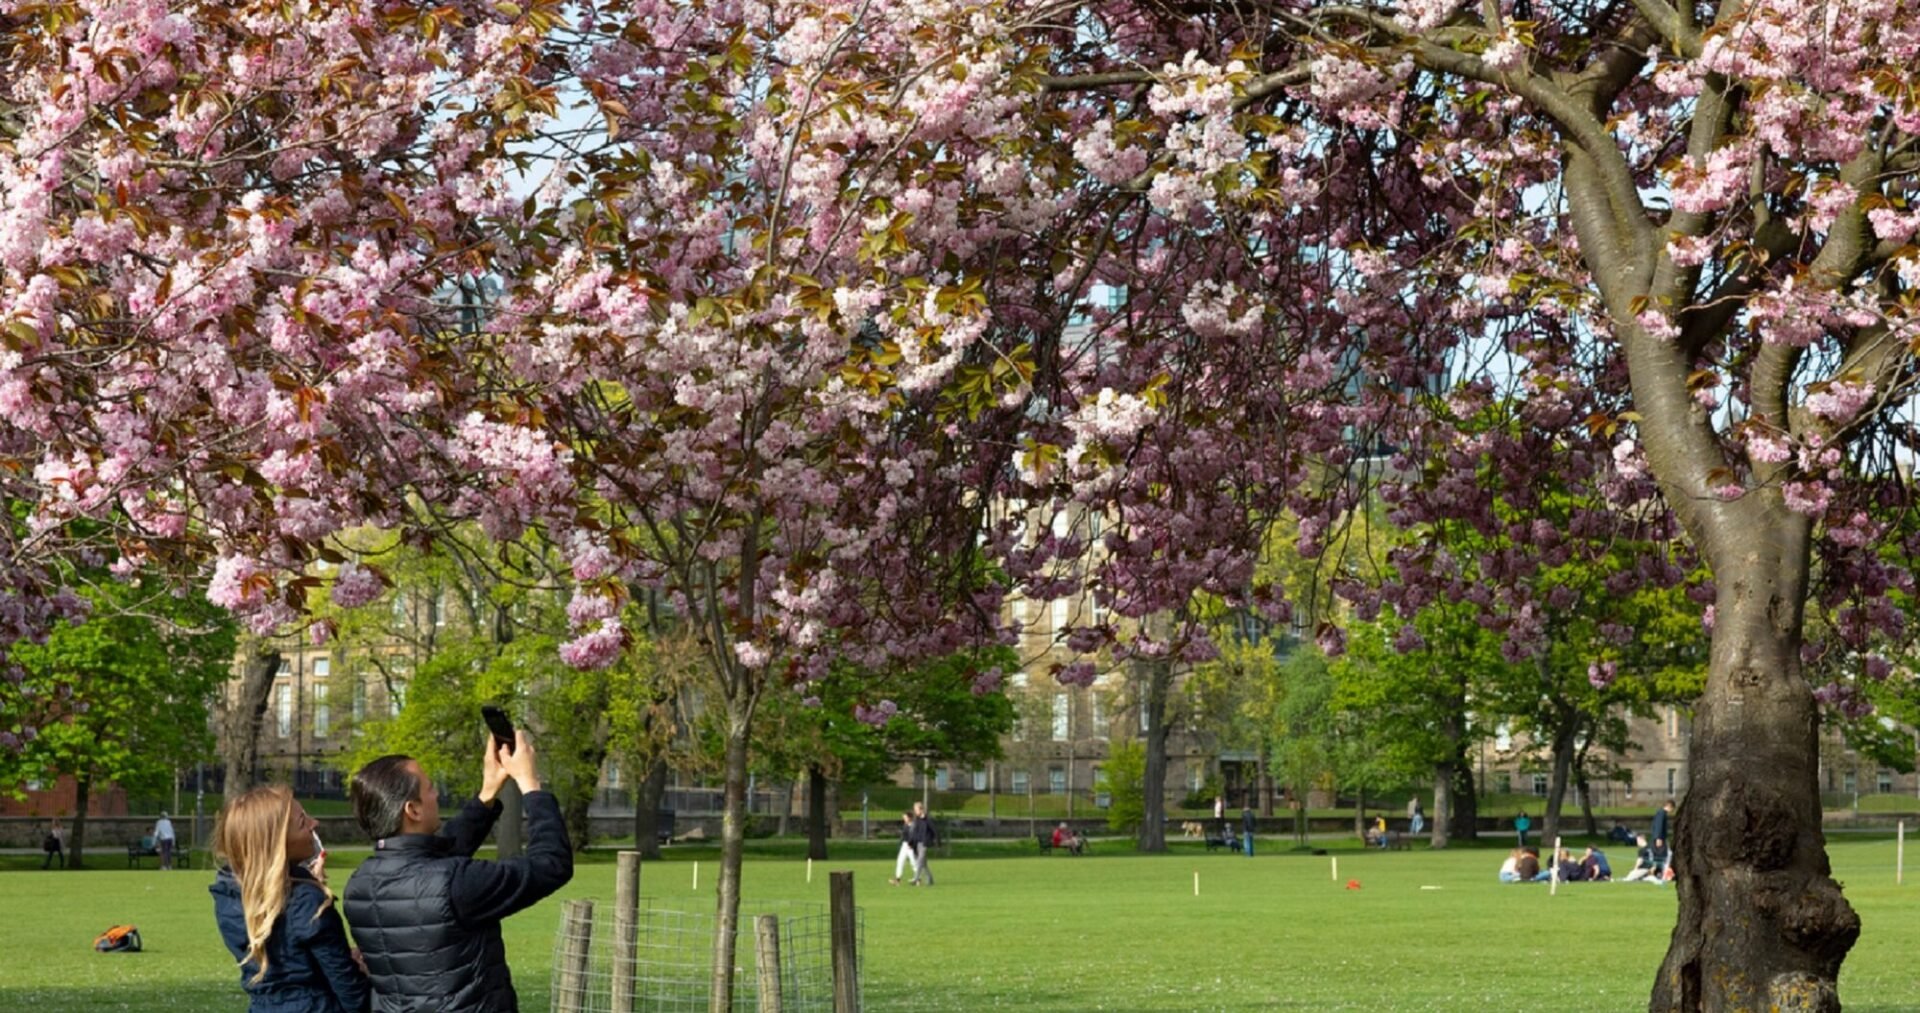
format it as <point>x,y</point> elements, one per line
<point>158,997</point>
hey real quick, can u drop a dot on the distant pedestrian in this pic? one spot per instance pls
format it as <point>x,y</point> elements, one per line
<point>906,856</point>
<point>163,840</point>
<point>1416,819</point>
<point>1521,824</point>
<point>54,844</point>
<point>1663,825</point>
<point>1246,828</point>
<point>1220,816</point>
<point>924,837</point>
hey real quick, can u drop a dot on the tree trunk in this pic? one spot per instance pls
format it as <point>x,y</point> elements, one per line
<point>784,821</point>
<point>1360,814</point>
<point>646,808</point>
<point>1465,823</point>
<point>1153,818</point>
<point>1761,924</point>
<point>258,665</point>
<point>1263,781</point>
<point>1442,802</point>
<point>1566,723</point>
<point>576,809</point>
<point>1581,789</point>
<point>1300,820</point>
<point>733,834</point>
<point>77,846</point>
<point>817,813</point>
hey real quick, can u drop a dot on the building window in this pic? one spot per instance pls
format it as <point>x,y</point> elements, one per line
<point>1673,722</point>
<point>1020,782</point>
<point>1102,721</point>
<point>1061,524</point>
<point>942,779</point>
<point>1503,738</point>
<point>613,775</point>
<point>1057,780</point>
<point>397,697</point>
<point>1019,609</point>
<point>322,715</point>
<point>979,780</point>
<point>1060,705</point>
<point>1503,783</point>
<point>283,709</point>
<point>1886,782</point>
<point>1062,614</point>
<point>1849,783</point>
<point>1539,784</point>
<point>1196,777</point>
<point>322,667</point>
<point>1672,779</point>
<point>1143,716</point>
<point>359,700</point>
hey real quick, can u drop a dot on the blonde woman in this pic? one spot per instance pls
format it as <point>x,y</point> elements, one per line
<point>276,915</point>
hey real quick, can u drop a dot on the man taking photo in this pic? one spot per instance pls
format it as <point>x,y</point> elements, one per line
<point>424,911</point>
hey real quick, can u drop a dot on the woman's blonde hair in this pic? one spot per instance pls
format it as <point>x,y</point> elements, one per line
<point>251,837</point>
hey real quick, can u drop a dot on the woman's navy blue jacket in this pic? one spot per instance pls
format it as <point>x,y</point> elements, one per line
<point>310,968</point>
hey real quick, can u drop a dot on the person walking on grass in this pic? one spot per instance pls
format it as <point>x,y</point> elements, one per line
<point>54,844</point>
<point>923,837</point>
<point>906,856</point>
<point>275,913</point>
<point>163,840</point>
<point>1246,826</point>
<point>425,912</point>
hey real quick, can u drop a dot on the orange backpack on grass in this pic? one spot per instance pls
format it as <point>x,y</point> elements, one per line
<point>119,939</point>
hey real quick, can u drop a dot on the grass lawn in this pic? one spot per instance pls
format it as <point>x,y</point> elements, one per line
<point>1006,929</point>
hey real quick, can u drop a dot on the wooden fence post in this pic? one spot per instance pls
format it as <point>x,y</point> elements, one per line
<point>626,930</point>
<point>767,959</point>
<point>846,934</point>
<point>576,950</point>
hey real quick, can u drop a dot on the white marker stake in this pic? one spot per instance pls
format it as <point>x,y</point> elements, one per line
<point>809,870</point>
<point>696,876</point>
<point>1336,868</point>
<point>1553,878</point>
<point>1900,857</point>
<point>1196,882</point>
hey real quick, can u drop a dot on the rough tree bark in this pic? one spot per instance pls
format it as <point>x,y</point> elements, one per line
<point>1155,674</point>
<point>1762,924</point>
<point>243,712</point>
<point>646,809</point>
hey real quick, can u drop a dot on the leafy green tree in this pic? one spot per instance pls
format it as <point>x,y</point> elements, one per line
<point>1126,773</point>
<point>122,698</point>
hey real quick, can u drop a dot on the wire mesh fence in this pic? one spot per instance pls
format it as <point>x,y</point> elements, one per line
<point>665,963</point>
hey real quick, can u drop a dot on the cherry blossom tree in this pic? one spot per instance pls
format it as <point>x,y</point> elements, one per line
<point>1702,208</point>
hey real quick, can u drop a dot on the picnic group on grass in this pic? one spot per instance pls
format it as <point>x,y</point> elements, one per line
<point>425,912</point>
<point>1653,857</point>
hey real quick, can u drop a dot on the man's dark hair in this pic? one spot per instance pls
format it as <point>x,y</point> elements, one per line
<point>380,790</point>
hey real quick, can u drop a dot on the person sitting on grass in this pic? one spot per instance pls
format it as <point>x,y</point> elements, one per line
<point>1594,867</point>
<point>1510,869</point>
<point>1643,867</point>
<point>275,912</point>
<point>1528,867</point>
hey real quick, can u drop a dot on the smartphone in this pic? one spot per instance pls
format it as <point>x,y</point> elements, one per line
<point>498,723</point>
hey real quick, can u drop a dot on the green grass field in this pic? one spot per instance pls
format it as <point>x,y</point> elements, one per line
<point>1005,929</point>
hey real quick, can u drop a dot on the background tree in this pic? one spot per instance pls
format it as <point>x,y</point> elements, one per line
<point>122,698</point>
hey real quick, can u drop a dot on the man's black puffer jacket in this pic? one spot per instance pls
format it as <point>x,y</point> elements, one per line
<point>427,915</point>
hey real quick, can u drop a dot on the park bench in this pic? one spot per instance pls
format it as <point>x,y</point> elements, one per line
<point>1393,841</point>
<point>145,848</point>
<point>1222,839</point>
